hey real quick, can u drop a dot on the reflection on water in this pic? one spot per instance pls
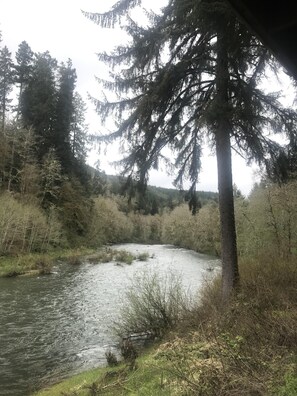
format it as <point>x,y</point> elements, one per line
<point>57,325</point>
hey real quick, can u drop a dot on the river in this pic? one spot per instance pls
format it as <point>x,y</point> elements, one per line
<point>57,325</point>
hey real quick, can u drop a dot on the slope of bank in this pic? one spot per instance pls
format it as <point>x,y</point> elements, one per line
<point>39,263</point>
<point>250,348</point>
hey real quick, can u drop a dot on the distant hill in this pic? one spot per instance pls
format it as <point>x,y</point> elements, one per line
<point>155,198</point>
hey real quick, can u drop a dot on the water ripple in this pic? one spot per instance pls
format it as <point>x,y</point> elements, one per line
<point>58,325</point>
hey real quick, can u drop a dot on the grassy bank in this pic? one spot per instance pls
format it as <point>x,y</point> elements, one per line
<point>38,263</point>
<point>42,263</point>
<point>249,348</point>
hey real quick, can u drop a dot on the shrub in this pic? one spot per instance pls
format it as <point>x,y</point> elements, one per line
<point>141,227</point>
<point>267,221</point>
<point>247,346</point>
<point>111,358</point>
<point>128,350</point>
<point>123,257</point>
<point>74,260</point>
<point>25,228</point>
<point>107,254</point>
<point>200,232</point>
<point>154,304</point>
<point>44,266</point>
<point>143,256</point>
<point>108,225</point>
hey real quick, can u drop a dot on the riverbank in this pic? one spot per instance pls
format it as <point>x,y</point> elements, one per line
<point>42,263</point>
<point>62,324</point>
<point>39,263</point>
<point>248,349</point>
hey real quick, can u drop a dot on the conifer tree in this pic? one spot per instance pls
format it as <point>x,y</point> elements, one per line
<point>24,58</point>
<point>78,130</point>
<point>38,102</point>
<point>64,114</point>
<point>192,73</point>
<point>23,67</point>
<point>6,83</point>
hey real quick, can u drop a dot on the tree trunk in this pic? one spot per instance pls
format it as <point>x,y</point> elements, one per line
<point>11,162</point>
<point>3,115</point>
<point>230,274</point>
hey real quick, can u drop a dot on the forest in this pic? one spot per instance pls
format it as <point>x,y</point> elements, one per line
<point>51,198</point>
<point>239,337</point>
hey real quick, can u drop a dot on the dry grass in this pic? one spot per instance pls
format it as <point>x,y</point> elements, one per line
<point>252,343</point>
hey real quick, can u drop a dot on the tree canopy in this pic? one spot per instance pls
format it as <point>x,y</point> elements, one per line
<point>192,72</point>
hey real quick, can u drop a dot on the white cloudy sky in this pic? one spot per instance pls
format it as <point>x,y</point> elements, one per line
<point>59,27</point>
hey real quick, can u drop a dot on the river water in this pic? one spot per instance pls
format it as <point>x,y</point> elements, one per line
<point>57,325</point>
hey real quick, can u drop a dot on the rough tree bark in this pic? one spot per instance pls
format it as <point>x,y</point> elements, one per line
<point>230,273</point>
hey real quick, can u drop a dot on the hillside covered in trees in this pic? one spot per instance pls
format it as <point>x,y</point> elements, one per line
<point>51,198</point>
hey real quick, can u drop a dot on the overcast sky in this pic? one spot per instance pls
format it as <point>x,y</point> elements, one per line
<point>59,27</point>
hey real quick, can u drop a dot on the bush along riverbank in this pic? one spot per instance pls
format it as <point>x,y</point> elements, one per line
<point>39,263</point>
<point>42,263</point>
<point>247,348</point>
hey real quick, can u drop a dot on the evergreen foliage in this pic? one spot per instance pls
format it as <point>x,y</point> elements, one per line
<point>192,73</point>
<point>64,115</point>
<point>23,68</point>
<point>78,129</point>
<point>43,150</point>
<point>38,102</point>
<point>6,84</point>
<point>50,106</point>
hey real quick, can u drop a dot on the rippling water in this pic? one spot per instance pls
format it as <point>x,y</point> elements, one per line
<point>57,325</point>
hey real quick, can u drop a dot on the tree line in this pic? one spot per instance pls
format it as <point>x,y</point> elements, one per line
<point>49,196</point>
<point>48,112</point>
<point>44,139</point>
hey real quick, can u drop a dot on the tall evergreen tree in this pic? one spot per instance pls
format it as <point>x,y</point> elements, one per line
<point>24,57</point>
<point>65,114</point>
<point>78,130</point>
<point>38,102</point>
<point>23,67</point>
<point>6,83</point>
<point>192,73</point>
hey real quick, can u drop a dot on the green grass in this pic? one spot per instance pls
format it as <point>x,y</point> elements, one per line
<point>105,255</point>
<point>73,384</point>
<point>29,264</point>
<point>146,379</point>
<point>41,263</point>
<point>142,256</point>
<point>289,388</point>
<point>123,256</point>
<point>38,263</point>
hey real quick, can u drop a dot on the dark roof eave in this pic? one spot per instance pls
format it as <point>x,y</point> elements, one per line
<point>280,39</point>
